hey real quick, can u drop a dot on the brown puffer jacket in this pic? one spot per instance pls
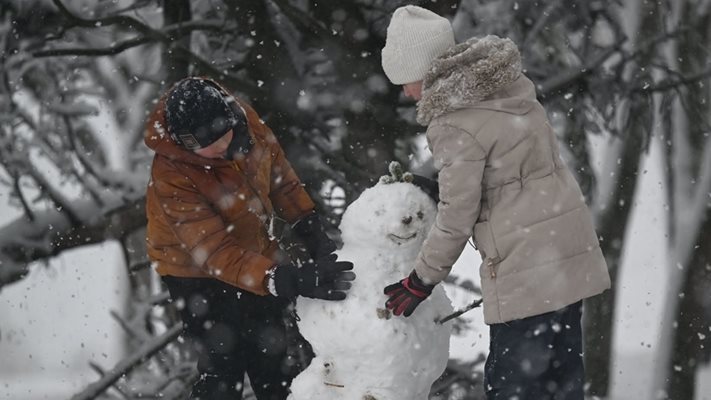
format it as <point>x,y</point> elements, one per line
<point>210,217</point>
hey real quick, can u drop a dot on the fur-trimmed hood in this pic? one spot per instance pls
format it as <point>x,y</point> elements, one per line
<point>467,74</point>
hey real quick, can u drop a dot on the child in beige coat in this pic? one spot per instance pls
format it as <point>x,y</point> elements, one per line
<point>502,181</point>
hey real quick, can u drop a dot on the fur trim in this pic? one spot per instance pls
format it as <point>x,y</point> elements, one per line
<point>466,74</point>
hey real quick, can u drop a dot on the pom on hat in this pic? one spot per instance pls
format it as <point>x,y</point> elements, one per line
<point>415,37</point>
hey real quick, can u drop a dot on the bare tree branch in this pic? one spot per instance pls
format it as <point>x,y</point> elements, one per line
<point>673,83</point>
<point>61,202</point>
<point>107,51</point>
<point>22,243</point>
<point>540,24</point>
<point>128,364</point>
<point>18,191</point>
<point>573,75</point>
<point>119,47</point>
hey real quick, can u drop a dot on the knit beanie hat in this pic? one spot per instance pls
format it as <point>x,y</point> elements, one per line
<point>199,112</point>
<point>415,37</point>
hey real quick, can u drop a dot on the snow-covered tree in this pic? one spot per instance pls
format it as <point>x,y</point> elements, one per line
<point>685,128</point>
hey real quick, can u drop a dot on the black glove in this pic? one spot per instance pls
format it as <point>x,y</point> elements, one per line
<point>406,295</point>
<point>324,278</point>
<point>427,185</point>
<point>311,231</point>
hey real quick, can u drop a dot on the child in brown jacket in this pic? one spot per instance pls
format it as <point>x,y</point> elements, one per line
<point>218,177</point>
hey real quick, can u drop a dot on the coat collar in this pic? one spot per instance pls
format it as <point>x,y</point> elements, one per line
<point>472,74</point>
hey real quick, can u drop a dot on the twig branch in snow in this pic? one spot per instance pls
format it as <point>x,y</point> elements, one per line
<point>303,20</point>
<point>64,204</point>
<point>130,328</point>
<point>673,83</point>
<point>22,242</point>
<point>473,305</point>
<point>540,24</point>
<point>82,160</point>
<point>113,49</point>
<point>21,196</point>
<point>163,36</point>
<point>121,46</point>
<point>644,47</point>
<point>567,78</point>
<point>128,364</point>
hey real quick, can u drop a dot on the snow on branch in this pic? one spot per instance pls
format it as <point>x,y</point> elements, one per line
<point>148,350</point>
<point>303,20</point>
<point>673,83</point>
<point>23,241</point>
<point>567,78</point>
<point>113,49</point>
<point>121,46</point>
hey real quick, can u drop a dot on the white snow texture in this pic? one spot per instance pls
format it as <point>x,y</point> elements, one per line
<point>362,351</point>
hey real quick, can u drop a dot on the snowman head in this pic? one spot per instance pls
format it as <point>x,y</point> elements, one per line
<point>389,216</point>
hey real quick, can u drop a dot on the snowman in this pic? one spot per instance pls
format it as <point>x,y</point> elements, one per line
<point>362,351</point>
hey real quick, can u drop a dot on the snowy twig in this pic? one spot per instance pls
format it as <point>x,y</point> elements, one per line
<point>673,83</point>
<point>456,314</point>
<point>652,43</point>
<point>540,24</point>
<point>131,328</point>
<point>121,46</point>
<point>303,19</point>
<point>22,242</point>
<point>572,75</point>
<point>129,363</point>
<point>21,196</point>
<point>84,163</point>
<point>113,49</point>
<point>64,204</point>
<point>165,36</point>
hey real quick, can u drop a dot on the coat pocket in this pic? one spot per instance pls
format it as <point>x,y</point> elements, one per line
<point>484,240</point>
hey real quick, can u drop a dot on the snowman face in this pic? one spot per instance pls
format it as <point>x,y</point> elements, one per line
<point>408,229</point>
<point>394,216</point>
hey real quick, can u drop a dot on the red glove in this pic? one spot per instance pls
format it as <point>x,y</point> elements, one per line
<point>406,295</point>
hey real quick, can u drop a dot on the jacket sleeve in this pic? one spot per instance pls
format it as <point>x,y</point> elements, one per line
<point>203,234</point>
<point>290,199</point>
<point>460,160</point>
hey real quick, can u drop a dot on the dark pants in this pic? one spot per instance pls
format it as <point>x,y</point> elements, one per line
<point>235,332</point>
<point>537,358</point>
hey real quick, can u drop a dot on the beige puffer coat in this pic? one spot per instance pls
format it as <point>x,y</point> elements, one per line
<point>502,180</point>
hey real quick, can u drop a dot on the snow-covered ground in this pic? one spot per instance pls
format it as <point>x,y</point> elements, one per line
<point>56,320</point>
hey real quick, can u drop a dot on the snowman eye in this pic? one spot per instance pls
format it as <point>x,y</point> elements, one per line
<point>420,215</point>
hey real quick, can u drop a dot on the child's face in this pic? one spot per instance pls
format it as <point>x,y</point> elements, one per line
<point>217,149</point>
<point>413,90</point>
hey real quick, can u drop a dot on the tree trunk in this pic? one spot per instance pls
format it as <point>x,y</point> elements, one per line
<point>176,66</point>
<point>692,333</point>
<point>599,312</point>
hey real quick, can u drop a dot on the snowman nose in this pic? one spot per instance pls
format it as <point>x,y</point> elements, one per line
<point>407,220</point>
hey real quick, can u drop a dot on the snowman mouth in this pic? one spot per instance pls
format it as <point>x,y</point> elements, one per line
<point>401,239</point>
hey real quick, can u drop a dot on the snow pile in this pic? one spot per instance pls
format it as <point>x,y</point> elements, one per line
<point>362,352</point>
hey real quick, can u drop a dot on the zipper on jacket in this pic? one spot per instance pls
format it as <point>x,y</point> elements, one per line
<point>264,207</point>
<point>491,263</point>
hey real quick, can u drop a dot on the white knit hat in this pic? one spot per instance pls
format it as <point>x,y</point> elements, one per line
<point>415,37</point>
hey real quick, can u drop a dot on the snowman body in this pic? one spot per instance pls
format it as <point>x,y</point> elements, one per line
<point>362,351</point>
